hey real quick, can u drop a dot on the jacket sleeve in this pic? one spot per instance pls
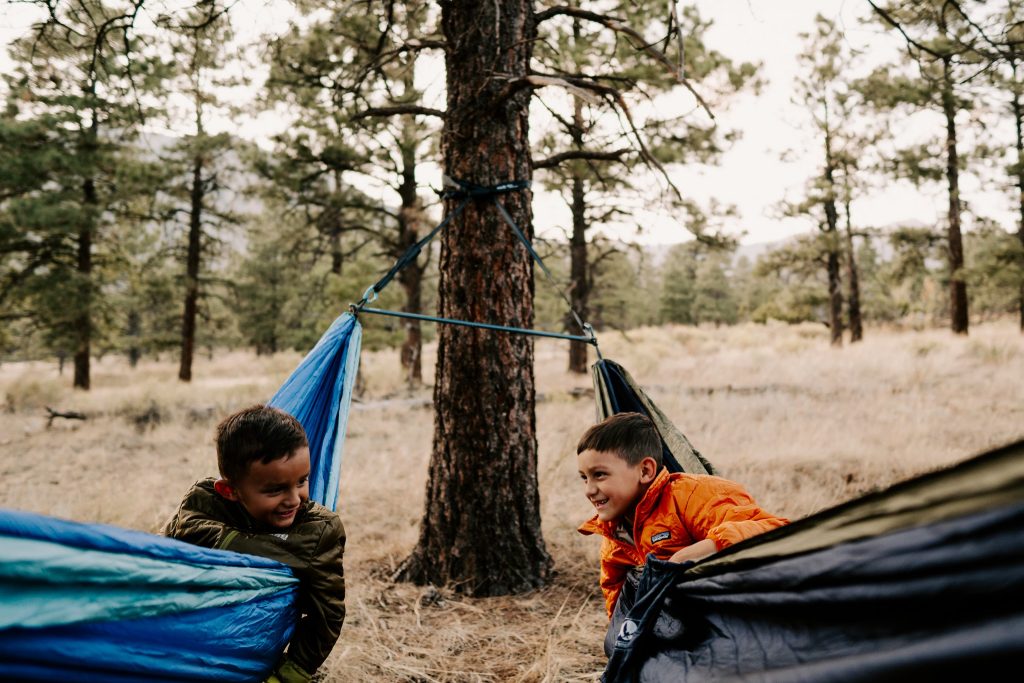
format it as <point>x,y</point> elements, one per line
<point>322,600</point>
<point>615,565</point>
<point>723,511</point>
<point>196,528</point>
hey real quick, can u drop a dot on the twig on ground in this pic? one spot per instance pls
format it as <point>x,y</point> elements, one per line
<point>66,414</point>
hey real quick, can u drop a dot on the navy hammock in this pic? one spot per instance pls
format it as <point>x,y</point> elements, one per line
<point>923,581</point>
<point>90,602</point>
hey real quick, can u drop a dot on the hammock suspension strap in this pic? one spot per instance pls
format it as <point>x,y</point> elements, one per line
<point>468,192</point>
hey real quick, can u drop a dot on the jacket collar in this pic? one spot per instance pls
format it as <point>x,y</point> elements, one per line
<point>236,514</point>
<point>643,509</point>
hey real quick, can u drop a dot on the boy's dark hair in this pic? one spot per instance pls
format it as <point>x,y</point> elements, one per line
<point>631,436</point>
<point>258,432</point>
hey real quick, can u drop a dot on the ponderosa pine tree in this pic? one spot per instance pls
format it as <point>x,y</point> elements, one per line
<point>352,79</point>
<point>823,91</point>
<point>603,170</point>
<point>73,108</point>
<point>1002,30</point>
<point>942,59</point>
<point>483,470</point>
<point>201,40</point>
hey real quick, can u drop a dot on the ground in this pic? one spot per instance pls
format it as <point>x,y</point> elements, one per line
<point>803,426</point>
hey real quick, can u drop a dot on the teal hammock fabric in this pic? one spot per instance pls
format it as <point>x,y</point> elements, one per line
<point>90,602</point>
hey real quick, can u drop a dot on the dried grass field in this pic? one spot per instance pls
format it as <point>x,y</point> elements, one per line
<point>802,425</point>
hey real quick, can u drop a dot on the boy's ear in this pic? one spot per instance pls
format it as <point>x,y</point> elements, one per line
<point>225,489</point>
<point>648,470</point>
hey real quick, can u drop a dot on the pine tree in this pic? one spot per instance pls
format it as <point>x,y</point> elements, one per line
<point>352,79</point>
<point>600,168</point>
<point>942,59</point>
<point>823,91</point>
<point>73,110</point>
<point>201,164</point>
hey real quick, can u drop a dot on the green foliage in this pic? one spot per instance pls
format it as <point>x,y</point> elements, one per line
<point>697,286</point>
<point>624,287</point>
<point>69,172</point>
<point>995,273</point>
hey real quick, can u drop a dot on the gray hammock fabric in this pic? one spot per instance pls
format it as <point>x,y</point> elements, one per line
<point>922,581</point>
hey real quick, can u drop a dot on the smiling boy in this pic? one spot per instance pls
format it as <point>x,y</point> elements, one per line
<point>260,506</point>
<point>643,509</point>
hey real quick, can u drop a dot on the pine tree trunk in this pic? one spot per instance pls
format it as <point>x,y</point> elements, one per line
<point>337,257</point>
<point>410,277</point>
<point>335,228</point>
<point>957,286</point>
<point>82,325</point>
<point>579,292</point>
<point>853,278</point>
<point>134,330</point>
<point>195,228</point>
<point>1018,120</point>
<point>835,294</point>
<point>481,529</point>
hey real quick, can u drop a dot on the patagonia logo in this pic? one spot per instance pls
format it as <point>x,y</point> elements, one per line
<point>663,536</point>
<point>283,537</point>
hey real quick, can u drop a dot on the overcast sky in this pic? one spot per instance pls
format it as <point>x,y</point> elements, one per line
<point>752,175</point>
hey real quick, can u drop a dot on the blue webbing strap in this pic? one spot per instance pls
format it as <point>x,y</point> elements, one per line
<point>483,326</point>
<point>406,258</point>
<point>467,192</point>
<point>536,257</point>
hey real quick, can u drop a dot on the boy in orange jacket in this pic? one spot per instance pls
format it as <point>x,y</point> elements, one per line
<point>642,508</point>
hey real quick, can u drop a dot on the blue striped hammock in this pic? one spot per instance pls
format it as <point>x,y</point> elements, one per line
<point>89,602</point>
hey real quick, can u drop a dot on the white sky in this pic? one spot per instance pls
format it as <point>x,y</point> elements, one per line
<point>752,175</point>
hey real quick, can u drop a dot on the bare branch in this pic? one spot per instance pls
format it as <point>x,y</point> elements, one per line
<point>588,155</point>
<point>637,41</point>
<point>888,18</point>
<point>398,110</point>
<point>609,93</point>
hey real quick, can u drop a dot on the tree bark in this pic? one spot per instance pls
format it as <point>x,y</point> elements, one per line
<point>83,319</point>
<point>410,277</point>
<point>835,294</point>
<point>195,231</point>
<point>481,529</point>
<point>1018,120</point>
<point>853,278</point>
<point>957,286</point>
<point>134,330</point>
<point>579,289</point>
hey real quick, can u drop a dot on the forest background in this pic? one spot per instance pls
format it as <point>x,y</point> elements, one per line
<point>160,267</point>
<point>134,223</point>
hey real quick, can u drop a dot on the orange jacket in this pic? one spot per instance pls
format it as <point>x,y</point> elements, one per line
<point>676,511</point>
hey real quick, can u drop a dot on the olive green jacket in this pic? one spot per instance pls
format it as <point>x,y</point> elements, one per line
<point>312,547</point>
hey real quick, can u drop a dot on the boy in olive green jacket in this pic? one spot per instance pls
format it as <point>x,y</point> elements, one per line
<point>260,506</point>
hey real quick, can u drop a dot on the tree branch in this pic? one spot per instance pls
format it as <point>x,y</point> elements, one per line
<point>589,155</point>
<point>637,41</point>
<point>896,25</point>
<point>398,110</point>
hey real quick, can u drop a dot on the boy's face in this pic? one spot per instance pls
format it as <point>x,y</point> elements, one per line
<point>612,484</point>
<point>273,492</point>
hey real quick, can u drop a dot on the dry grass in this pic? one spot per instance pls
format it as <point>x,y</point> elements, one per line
<point>802,425</point>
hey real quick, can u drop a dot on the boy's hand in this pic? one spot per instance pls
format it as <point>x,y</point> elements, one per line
<point>697,551</point>
<point>288,672</point>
